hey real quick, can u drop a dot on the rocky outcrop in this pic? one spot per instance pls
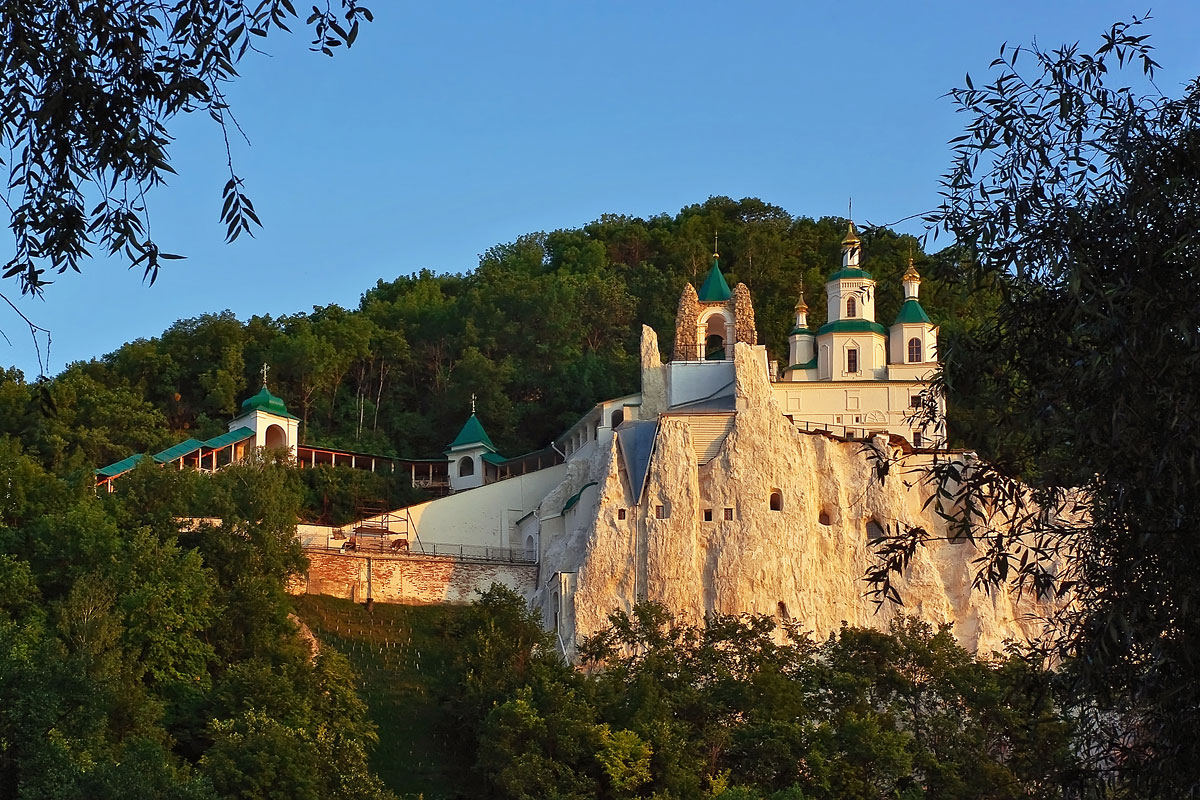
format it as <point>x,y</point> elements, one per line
<point>654,377</point>
<point>743,315</point>
<point>705,539</point>
<point>687,317</point>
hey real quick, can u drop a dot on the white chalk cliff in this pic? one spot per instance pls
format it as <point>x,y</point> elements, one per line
<point>622,542</point>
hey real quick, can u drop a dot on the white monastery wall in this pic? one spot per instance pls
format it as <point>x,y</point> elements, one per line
<point>485,516</point>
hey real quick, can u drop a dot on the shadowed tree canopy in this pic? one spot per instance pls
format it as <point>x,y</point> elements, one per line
<point>1082,201</point>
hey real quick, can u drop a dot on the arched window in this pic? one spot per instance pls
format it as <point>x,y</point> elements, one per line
<point>781,612</point>
<point>874,530</point>
<point>276,437</point>
<point>914,351</point>
<point>824,518</point>
<point>776,500</point>
<point>466,466</point>
<point>852,360</point>
<point>851,307</point>
<point>618,417</point>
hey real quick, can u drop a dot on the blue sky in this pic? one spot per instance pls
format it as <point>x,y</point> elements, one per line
<point>451,127</point>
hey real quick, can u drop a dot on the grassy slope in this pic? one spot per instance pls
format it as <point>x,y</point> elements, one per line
<point>398,652</point>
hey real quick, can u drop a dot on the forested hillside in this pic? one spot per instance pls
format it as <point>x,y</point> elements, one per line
<point>540,330</point>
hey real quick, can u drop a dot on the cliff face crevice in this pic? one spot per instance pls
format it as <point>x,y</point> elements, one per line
<point>705,539</point>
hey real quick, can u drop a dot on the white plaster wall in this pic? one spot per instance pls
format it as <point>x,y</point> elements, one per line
<point>837,292</point>
<point>881,405</point>
<point>480,516</point>
<point>259,421</point>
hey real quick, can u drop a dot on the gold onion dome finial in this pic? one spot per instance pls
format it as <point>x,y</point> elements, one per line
<point>800,304</point>
<point>851,235</point>
<point>911,273</point>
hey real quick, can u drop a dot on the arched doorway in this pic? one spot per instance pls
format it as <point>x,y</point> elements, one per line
<point>716,330</point>
<point>276,437</point>
<point>466,466</point>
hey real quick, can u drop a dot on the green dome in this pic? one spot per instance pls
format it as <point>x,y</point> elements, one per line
<point>266,402</point>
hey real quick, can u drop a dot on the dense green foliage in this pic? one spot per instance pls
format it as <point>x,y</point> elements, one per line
<point>144,656</point>
<point>545,327</point>
<point>1084,197</point>
<point>744,708</point>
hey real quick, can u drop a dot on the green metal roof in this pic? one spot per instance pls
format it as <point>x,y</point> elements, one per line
<point>573,499</point>
<point>851,272</point>
<point>184,448</point>
<point>493,459</point>
<point>852,326</point>
<point>794,331</point>
<point>715,289</point>
<point>472,433</point>
<point>124,465</point>
<point>233,437</point>
<point>911,312</point>
<point>266,402</point>
<point>810,364</point>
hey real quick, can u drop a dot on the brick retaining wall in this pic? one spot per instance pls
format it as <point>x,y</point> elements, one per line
<point>408,578</point>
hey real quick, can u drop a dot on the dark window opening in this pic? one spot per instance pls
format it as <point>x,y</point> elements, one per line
<point>852,360</point>
<point>728,514</point>
<point>874,530</point>
<point>776,500</point>
<point>620,513</point>
<point>466,466</point>
<point>618,417</point>
<point>714,348</point>
<point>851,307</point>
<point>824,518</point>
<point>660,512</point>
<point>914,351</point>
<point>708,515</point>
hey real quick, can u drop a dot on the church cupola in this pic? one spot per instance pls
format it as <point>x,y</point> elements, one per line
<point>708,322</point>
<point>912,282</point>
<point>912,337</point>
<point>801,342</point>
<point>851,248</point>
<point>468,453</point>
<point>268,417</point>
<point>851,345</point>
<point>851,290</point>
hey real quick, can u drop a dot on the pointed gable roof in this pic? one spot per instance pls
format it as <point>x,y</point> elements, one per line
<point>472,434</point>
<point>715,289</point>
